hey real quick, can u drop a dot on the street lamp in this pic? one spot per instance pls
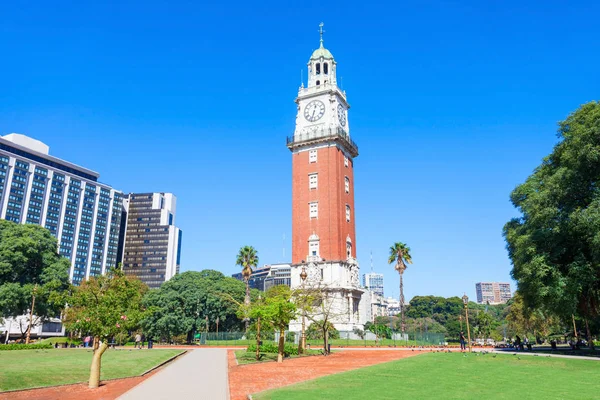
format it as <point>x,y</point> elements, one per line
<point>465,300</point>
<point>302,348</point>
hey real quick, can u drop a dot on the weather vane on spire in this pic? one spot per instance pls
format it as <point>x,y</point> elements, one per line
<point>321,31</point>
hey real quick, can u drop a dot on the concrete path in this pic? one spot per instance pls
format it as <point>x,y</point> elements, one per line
<point>201,374</point>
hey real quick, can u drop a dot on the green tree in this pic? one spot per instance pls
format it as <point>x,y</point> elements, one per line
<point>381,331</point>
<point>247,258</point>
<point>31,272</point>
<point>555,244</point>
<point>279,310</point>
<point>400,254</point>
<point>180,306</point>
<point>104,307</point>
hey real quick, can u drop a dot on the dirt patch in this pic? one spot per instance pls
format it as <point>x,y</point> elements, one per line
<point>254,378</point>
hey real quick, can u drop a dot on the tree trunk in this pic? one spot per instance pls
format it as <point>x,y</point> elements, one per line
<point>589,335</point>
<point>247,303</point>
<point>96,364</point>
<point>402,303</point>
<point>281,346</point>
<point>96,343</point>
<point>258,339</point>
<point>325,340</point>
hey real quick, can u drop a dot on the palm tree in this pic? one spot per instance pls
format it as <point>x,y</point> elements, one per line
<point>247,258</point>
<point>400,254</point>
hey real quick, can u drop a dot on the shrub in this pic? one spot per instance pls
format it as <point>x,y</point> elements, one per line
<point>314,331</point>
<point>289,349</point>
<point>20,346</point>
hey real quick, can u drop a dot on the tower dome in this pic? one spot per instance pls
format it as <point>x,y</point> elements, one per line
<point>321,52</point>
<point>321,66</point>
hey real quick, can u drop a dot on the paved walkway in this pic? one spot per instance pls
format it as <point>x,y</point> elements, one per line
<point>201,374</point>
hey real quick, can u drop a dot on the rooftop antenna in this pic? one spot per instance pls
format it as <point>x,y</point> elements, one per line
<point>301,78</point>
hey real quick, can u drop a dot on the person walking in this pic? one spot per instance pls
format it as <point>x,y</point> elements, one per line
<point>517,343</point>
<point>463,342</point>
<point>86,341</point>
<point>138,341</point>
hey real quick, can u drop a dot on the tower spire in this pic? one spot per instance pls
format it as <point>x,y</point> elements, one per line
<point>321,31</point>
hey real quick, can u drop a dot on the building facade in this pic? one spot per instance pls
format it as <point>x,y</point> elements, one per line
<point>152,242</point>
<point>83,214</point>
<point>279,274</point>
<point>323,213</point>
<point>373,282</point>
<point>257,278</point>
<point>267,276</point>
<point>493,292</point>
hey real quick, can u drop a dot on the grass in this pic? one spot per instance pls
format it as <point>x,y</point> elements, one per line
<point>37,368</point>
<point>61,340</point>
<point>245,357</point>
<point>454,376</point>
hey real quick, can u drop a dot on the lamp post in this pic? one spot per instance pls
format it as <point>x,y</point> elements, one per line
<point>302,347</point>
<point>465,300</point>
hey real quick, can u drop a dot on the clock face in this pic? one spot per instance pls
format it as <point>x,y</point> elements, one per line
<point>341,115</point>
<point>314,111</point>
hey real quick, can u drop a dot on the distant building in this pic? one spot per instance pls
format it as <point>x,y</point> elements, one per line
<point>268,276</point>
<point>373,282</point>
<point>83,214</point>
<point>152,242</point>
<point>257,279</point>
<point>393,306</point>
<point>279,274</point>
<point>493,292</point>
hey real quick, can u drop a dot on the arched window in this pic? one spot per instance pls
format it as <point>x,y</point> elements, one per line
<point>318,83</point>
<point>325,68</point>
<point>318,68</point>
<point>348,246</point>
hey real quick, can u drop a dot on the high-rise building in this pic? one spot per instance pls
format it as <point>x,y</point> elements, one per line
<point>152,242</point>
<point>493,292</point>
<point>323,214</point>
<point>82,213</point>
<point>373,282</point>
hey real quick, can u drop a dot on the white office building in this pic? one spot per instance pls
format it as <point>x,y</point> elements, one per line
<point>82,213</point>
<point>373,282</point>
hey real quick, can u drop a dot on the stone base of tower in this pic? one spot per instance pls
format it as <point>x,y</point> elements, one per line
<point>338,291</point>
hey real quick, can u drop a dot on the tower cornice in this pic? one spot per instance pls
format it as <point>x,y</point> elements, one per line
<point>325,135</point>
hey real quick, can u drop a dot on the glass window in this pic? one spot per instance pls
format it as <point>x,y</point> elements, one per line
<point>312,181</point>
<point>312,156</point>
<point>314,209</point>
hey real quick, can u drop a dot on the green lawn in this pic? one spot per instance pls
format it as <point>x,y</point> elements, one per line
<point>455,376</point>
<point>23,369</point>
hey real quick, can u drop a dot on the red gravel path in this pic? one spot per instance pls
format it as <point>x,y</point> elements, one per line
<point>254,378</point>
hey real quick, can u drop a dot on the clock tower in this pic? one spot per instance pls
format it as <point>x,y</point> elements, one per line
<point>323,215</point>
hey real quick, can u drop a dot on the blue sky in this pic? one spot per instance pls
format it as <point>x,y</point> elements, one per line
<point>453,104</point>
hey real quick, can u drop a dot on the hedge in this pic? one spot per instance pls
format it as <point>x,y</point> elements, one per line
<point>288,349</point>
<point>20,346</point>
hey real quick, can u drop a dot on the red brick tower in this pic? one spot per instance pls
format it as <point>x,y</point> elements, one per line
<point>323,228</point>
<point>322,168</point>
